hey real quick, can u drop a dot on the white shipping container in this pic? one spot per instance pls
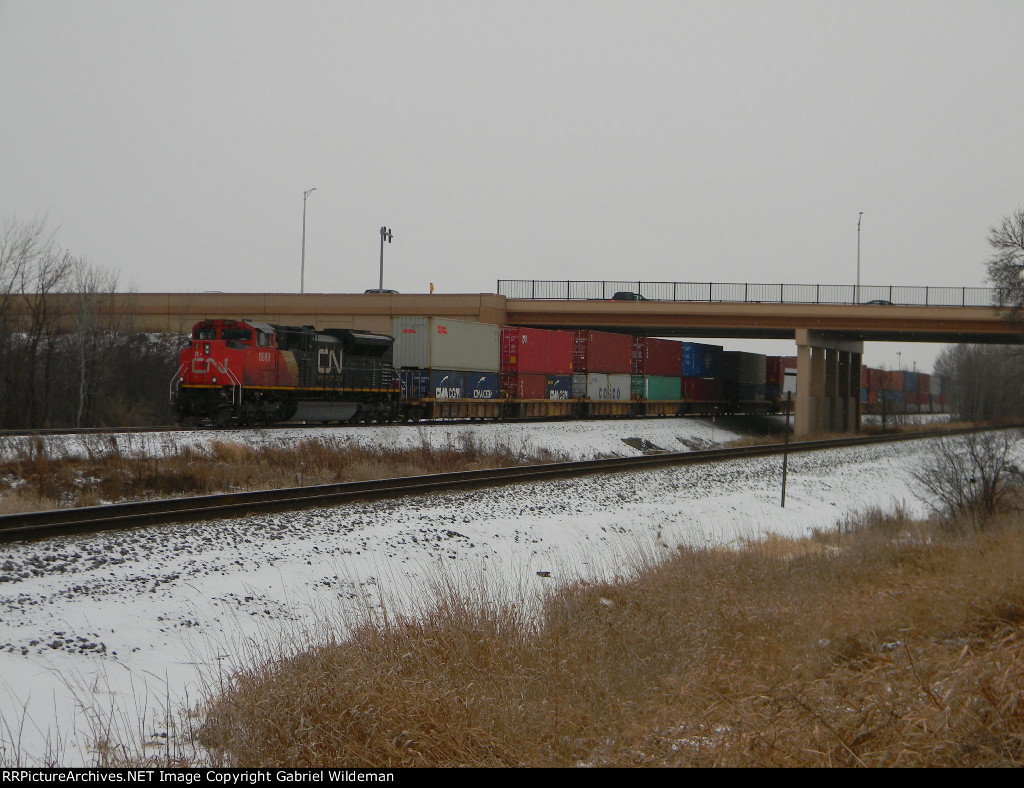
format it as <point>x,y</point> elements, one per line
<point>440,343</point>
<point>789,383</point>
<point>608,388</point>
<point>934,386</point>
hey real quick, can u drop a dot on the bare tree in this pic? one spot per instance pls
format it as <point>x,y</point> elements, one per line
<point>1006,265</point>
<point>969,475</point>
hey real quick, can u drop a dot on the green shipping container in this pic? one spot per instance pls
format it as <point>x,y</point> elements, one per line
<point>656,387</point>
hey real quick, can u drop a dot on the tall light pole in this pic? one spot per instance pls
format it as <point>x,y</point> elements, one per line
<point>385,233</point>
<point>856,292</point>
<point>302,274</point>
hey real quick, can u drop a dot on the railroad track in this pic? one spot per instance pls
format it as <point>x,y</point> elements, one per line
<point>38,525</point>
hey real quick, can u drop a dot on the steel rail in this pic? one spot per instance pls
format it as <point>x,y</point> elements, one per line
<point>37,525</point>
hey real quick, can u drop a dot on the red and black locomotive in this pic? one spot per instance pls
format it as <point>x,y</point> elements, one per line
<point>235,372</point>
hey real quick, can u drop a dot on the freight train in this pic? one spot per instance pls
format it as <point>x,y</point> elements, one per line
<point>244,372</point>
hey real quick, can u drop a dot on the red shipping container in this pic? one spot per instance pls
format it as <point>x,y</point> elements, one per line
<point>865,383</point>
<point>874,379</point>
<point>657,357</point>
<point>924,381</point>
<point>524,386</point>
<point>892,381</point>
<point>702,389</point>
<point>599,351</point>
<point>775,369</point>
<point>536,350</point>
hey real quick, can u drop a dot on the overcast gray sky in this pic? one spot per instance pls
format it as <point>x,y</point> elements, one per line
<point>682,141</point>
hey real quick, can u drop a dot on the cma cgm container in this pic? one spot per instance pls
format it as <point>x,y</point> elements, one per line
<point>602,387</point>
<point>701,361</point>
<point>537,386</point>
<point>652,356</point>
<point>447,384</point>
<point>701,389</point>
<point>482,385</point>
<point>600,351</point>
<point>439,343</point>
<point>656,387</point>
<point>740,367</point>
<point>536,350</point>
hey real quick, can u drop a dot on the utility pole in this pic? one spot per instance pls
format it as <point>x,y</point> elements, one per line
<point>856,291</point>
<point>302,273</point>
<point>385,233</point>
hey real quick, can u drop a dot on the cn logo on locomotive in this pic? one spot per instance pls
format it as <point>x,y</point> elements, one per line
<point>332,363</point>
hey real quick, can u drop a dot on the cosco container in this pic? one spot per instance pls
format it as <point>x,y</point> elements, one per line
<point>536,350</point>
<point>656,387</point>
<point>482,385</point>
<point>652,356</point>
<point>440,343</point>
<point>447,384</point>
<point>740,367</point>
<point>600,351</point>
<point>602,387</point>
<point>701,361</point>
<point>701,389</point>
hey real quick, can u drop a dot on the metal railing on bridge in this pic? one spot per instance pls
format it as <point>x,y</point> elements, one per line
<point>750,293</point>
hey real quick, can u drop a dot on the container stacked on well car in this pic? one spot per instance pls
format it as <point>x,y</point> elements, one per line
<point>602,372</point>
<point>536,372</point>
<point>896,393</point>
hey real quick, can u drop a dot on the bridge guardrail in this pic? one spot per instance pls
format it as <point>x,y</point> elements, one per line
<point>750,292</point>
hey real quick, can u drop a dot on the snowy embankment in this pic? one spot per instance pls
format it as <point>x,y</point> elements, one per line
<point>122,627</point>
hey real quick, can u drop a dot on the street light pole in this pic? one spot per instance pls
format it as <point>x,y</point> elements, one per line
<point>302,273</point>
<point>856,296</point>
<point>385,233</point>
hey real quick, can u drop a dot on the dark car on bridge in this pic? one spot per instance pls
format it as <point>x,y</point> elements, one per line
<point>626,295</point>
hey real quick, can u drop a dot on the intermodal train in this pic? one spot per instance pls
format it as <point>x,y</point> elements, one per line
<point>247,372</point>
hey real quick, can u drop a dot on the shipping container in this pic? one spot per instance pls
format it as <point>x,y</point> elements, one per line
<point>414,383</point>
<point>789,383</point>
<point>743,392</point>
<point>935,385</point>
<point>702,389</point>
<point>701,361</point>
<point>440,343</point>
<point>775,368</point>
<point>864,395</point>
<point>536,350</point>
<point>603,387</point>
<point>772,391</point>
<point>864,377</point>
<point>536,386</point>
<point>652,356</point>
<point>482,385</point>
<point>741,367</point>
<point>600,351</point>
<point>875,379</point>
<point>892,381</point>
<point>910,381</point>
<point>447,384</point>
<point>656,387</point>
<point>923,382</point>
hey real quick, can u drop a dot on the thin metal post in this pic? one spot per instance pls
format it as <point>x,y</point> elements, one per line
<point>302,271</point>
<point>785,445</point>
<point>385,233</point>
<point>856,290</point>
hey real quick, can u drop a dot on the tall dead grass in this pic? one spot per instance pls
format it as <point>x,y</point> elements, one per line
<point>38,477</point>
<point>884,643</point>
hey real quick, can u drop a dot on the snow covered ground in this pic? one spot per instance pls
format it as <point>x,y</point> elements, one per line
<point>119,629</point>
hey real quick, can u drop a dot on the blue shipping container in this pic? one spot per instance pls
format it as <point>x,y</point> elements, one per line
<point>558,387</point>
<point>446,384</point>
<point>482,385</point>
<point>910,381</point>
<point>701,361</point>
<point>414,383</point>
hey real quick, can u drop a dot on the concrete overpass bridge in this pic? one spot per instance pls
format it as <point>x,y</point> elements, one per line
<point>829,329</point>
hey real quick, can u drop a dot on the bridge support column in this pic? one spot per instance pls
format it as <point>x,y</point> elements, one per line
<point>827,383</point>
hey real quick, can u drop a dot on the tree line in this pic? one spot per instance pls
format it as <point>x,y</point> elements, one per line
<point>69,362</point>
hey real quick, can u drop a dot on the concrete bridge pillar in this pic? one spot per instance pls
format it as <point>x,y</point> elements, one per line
<point>827,383</point>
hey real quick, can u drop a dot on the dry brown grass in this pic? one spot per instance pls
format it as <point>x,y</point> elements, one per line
<point>884,643</point>
<point>37,478</point>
